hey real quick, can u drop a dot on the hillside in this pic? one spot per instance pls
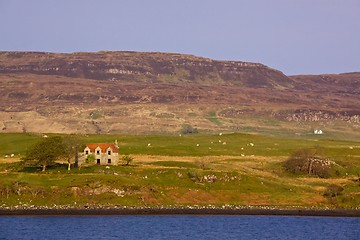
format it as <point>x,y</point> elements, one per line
<point>227,171</point>
<point>133,92</point>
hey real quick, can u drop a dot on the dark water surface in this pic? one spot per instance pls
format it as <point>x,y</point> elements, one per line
<point>178,227</point>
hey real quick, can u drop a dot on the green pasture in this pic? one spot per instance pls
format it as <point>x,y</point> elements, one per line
<point>174,185</point>
<point>235,144</point>
<point>174,170</point>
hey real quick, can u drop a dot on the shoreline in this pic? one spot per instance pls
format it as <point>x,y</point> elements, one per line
<point>123,211</point>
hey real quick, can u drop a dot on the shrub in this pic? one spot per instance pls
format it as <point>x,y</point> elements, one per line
<point>333,190</point>
<point>309,162</point>
<point>188,129</point>
<point>195,176</point>
<point>90,159</point>
<point>127,159</point>
<point>202,164</point>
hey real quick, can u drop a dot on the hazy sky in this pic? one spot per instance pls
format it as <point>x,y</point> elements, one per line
<point>294,36</point>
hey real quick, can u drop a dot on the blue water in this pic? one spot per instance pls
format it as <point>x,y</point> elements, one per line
<point>178,227</point>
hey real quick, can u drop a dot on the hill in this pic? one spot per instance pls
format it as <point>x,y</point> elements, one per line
<point>133,92</point>
<point>184,171</point>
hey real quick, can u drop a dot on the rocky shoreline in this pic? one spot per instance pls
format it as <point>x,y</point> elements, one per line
<point>189,210</point>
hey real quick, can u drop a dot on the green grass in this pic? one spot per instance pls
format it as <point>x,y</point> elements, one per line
<point>194,145</point>
<point>16,143</point>
<point>153,187</point>
<point>169,178</point>
<point>95,116</point>
<point>212,117</point>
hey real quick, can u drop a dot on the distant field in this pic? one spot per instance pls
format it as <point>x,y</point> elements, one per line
<point>173,170</point>
<point>193,145</point>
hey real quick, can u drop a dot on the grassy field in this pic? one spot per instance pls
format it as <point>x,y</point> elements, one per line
<point>173,170</point>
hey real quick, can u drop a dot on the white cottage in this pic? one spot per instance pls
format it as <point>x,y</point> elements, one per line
<point>105,154</point>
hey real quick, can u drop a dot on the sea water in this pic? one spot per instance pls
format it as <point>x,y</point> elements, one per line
<point>178,227</point>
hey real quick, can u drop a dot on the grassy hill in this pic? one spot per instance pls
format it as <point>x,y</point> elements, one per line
<point>203,170</point>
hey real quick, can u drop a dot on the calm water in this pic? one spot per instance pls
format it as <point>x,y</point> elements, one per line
<point>178,227</point>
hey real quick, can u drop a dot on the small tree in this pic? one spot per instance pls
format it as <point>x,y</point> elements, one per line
<point>45,152</point>
<point>127,159</point>
<point>72,145</point>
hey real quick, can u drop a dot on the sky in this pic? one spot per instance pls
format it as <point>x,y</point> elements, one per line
<point>293,36</point>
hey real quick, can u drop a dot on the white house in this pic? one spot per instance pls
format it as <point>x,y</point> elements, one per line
<point>105,154</point>
<point>318,132</point>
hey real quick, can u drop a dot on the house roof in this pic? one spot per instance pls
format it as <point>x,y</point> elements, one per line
<point>103,147</point>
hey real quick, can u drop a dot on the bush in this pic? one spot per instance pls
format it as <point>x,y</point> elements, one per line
<point>127,159</point>
<point>195,176</point>
<point>309,162</point>
<point>188,129</point>
<point>333,190</point>
<point>90,159</point>
<point>202,164</point>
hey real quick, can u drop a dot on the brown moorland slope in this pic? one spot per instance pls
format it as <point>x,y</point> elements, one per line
<point>134,92</point>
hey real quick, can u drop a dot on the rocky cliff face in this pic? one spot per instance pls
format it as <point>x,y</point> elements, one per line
<point>142,67</point>
<point>112,92</point>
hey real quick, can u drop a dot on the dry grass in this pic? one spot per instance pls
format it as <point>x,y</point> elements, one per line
<point>9,160</point>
